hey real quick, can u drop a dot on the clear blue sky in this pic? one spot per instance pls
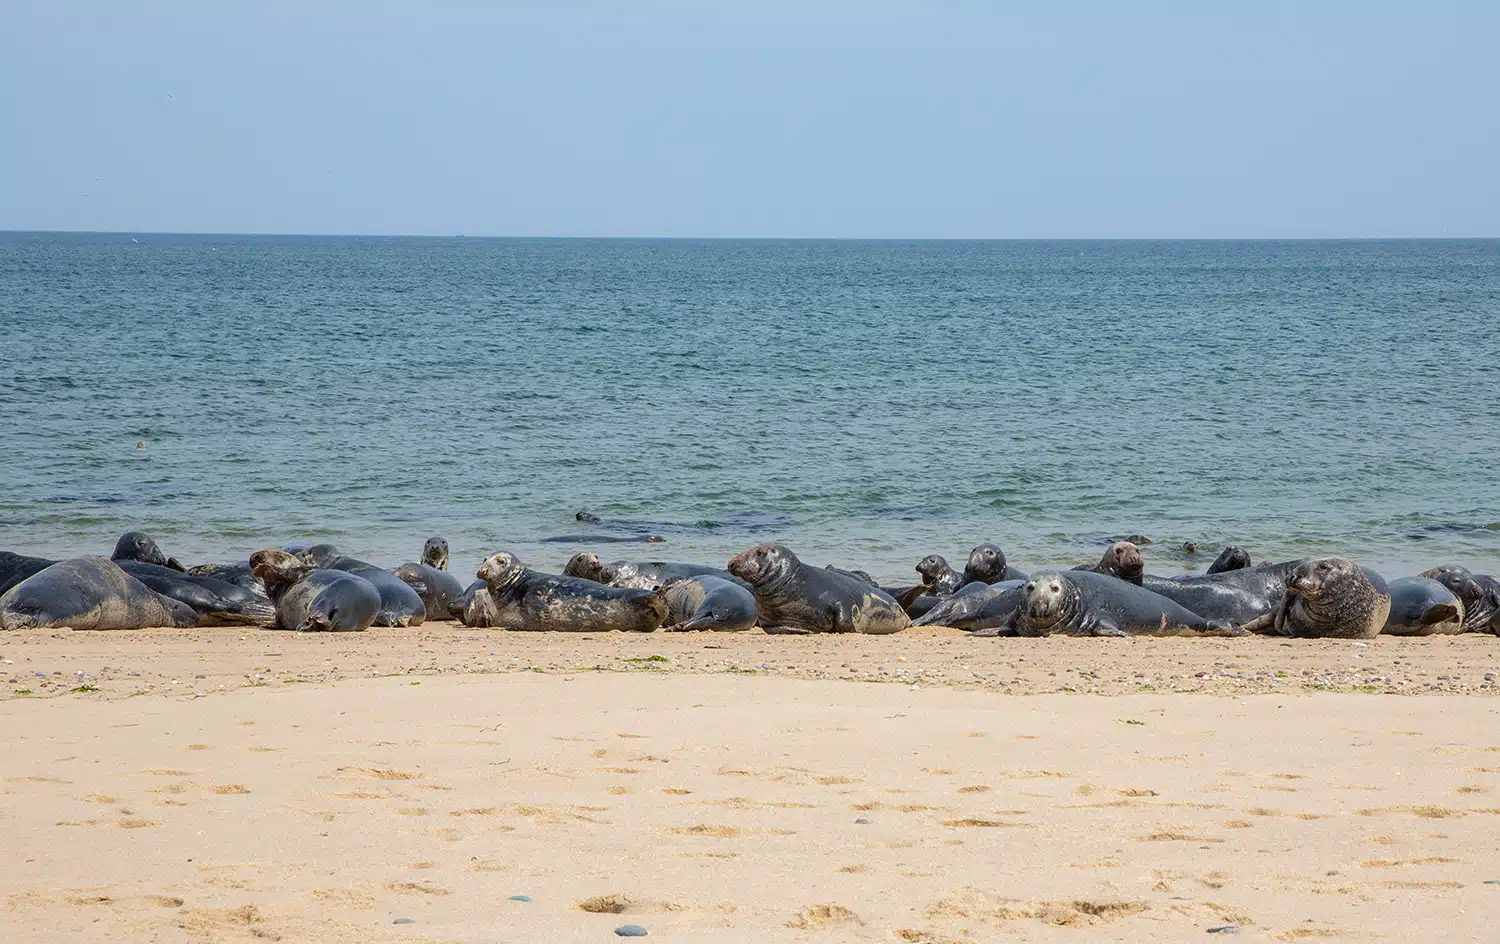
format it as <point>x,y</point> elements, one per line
<point>756,118</point>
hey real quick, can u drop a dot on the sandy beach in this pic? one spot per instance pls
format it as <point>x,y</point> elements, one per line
<point>404,785</point>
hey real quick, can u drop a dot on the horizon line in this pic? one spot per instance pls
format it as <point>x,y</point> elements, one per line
<point>747,238</point>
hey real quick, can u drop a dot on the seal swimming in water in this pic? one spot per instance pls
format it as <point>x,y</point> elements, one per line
<point>530,600</point>
<point>705,602</point>
<point>794,598</point>
<point>975,607</point>
<point>315,599</point>
<point>1329,597</point>
<point>89,593</point>
<point>400,605</point>
<point>1480,594</point>
<point>1084,603</point>
<point>605,539</point>
<point>1420,606</point>
<point>15,568</point>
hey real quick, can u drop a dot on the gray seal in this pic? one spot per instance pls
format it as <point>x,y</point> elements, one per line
<point>938,579</point>
<point>88,593</point>
<point>794,598</point>
<point>1330,597</point>
<point>315,599</point>
<point>135,546</point>
<point>976,607</point>
<point>586,565</point>
<point>1083,603</point>
<point>1420,606</point>
<point>863,576</point>
<point>705,602</point>
<point>238,574</point>
<point>533,601</point>
<point>400,605</point>
<point>1121,559</point>
<point>216,602</point>
<point>645,575</point>
<point>476,608</point>
<point>1231,558</point>
<point>435,553</point>
<point>1480,594</point>
<point>437,588</point>
<point>15,568</point>
<point>987,564</point>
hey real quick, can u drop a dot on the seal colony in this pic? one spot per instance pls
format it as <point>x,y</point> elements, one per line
<point>317,587</point>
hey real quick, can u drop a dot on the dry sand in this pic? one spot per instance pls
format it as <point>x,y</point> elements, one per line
<point>321,788</point>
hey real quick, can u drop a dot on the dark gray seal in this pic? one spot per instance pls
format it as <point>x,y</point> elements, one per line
<point>476,609</point>
<point>709,603</point>
<point>1480,594</point>
<point>533,601</point>
<point>939,579</point>
<point>135,546</point>
<point>400,605</point>
<point>1330,597</point>
<point>862,576</point>
<point>586,565</point>
<point>437,588</point>
<point>88,593</point>
<point>977,606</point>
<point>1420,606</point>
<point>605,539</point>
<point>216,602</point>
<point>1231,558</point>
<point>15,568</point>
<point>1083,603</point>
<point>987,564</point>
<point>1240,596</point>
<point>315,599</point>
<point>435,553</point>
<point>794,598</point>
<point>238,574</point>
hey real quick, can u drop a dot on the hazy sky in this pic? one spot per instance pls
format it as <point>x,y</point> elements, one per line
<point>757,117</point>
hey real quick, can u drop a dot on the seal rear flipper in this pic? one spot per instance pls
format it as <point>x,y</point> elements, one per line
<point>1005,629</point>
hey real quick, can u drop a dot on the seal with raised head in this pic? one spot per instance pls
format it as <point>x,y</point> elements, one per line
<point>435,553</point>
<point>938,579</point>
<point>1421,606</point>
<point>527,599</point>
<point>315,599</point>
<point>1330,597</point>
<point>1121,559</point>
<point>794,598</point>
<point>987,564</point>
<point>136,546</point>
<point>1232,557</point>
<point>1480,594</point>
<point>89,593</point>
<point>400,605</point>
<point>588,566</point>
<point>1084,603</point>
<point>705,602</point>
<point>976,606</point>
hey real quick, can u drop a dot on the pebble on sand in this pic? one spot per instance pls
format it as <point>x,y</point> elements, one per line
<point>520,898</point>
<point>1225,929</point>
<point>630,930</point>
<point>863,822</point>
<point>403,921</point>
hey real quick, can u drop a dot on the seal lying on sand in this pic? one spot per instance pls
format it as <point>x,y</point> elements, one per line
<point>1329,597</point>
<point>794,598</point>
<point>89,593</point>
<point>1420,606</point>
<point>975,607</point>
<point>431,580</point>
<point>399,604</point>
<point>530,600</point>
<point>587,565</point>
<point>1480,593</point>
<point>709,603</point>
<point>216,602</point>
<point>314,598</point>
<point>862,576</point>
<point>15,568</point>
<point>1083,603</point>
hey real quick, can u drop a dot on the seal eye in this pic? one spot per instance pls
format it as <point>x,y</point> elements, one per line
<point>1056,588</point>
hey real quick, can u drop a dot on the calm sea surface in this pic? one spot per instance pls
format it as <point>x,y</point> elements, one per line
<point>865,403</point>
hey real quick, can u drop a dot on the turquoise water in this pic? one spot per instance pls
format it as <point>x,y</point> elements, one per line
<point>864,402</point>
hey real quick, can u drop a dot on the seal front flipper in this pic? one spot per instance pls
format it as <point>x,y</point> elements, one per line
<point>992,631</point>
<point>1104,626</point>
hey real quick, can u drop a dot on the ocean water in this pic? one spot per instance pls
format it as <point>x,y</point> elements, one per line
<point>866,403</point>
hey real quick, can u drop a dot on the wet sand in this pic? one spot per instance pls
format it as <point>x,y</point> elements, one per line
<point>322,788</point>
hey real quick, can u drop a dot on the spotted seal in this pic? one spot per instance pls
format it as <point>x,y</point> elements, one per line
<point>1084,603</point>
<point>705,602</point>
<point>315,599</point>
<point>794,598</point>
<point>1330,597</point>
<point>530,600</point>
<point>1421,606</point>
<point>89,593</point>
<point>644,575</point>
<point>588,566</point>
